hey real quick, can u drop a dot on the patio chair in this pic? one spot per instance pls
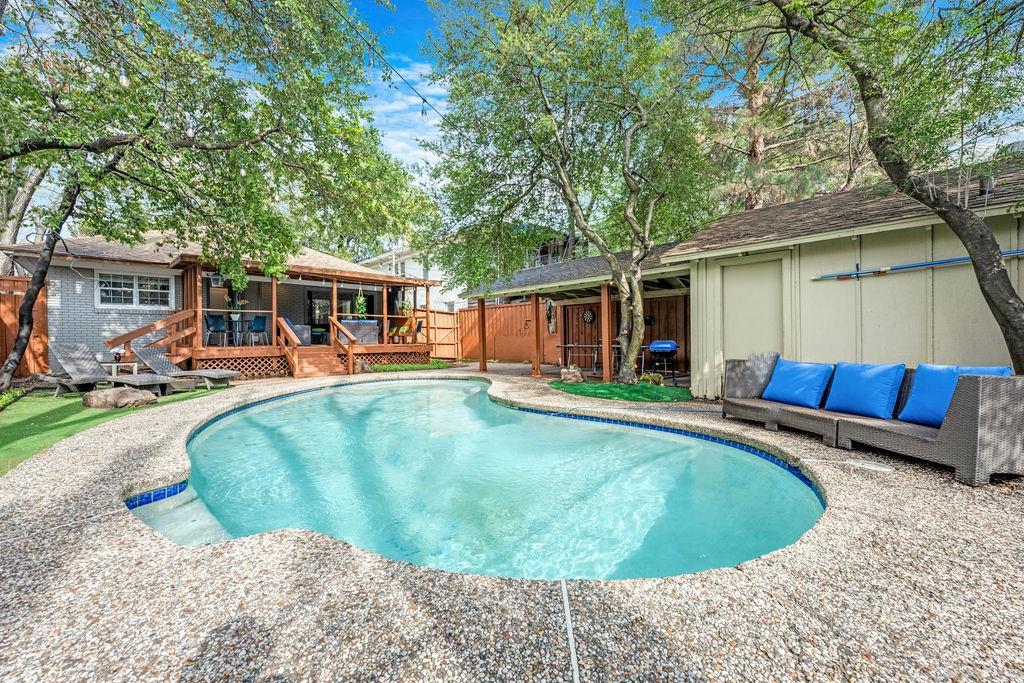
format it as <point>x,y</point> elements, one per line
<point>83,372</point>
<point>258,327</point>
<point>407,336</point>
<point>158,362</point>
<point>215,325</point>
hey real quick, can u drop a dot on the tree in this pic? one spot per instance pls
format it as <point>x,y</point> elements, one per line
<point>940,84</point>
<point>236,125</point>
<point>781,130</point>
<point>562,114</point>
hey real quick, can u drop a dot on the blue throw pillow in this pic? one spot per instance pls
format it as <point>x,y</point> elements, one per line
<point>798,384</point>
<point>863,389</point>
<point>933,388</point>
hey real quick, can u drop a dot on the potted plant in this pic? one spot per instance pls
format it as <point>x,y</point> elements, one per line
<point>406,308</point>
<point>235,305</point>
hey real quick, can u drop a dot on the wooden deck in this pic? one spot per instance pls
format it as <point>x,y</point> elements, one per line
<point>270,361</point>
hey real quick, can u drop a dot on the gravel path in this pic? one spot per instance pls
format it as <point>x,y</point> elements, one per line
<point>907,576</point>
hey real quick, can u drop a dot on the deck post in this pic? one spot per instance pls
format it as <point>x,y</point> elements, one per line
<point>538,336</point>
<point>273,311</point>
<point>426,324</point>
<point>481,308</point>
<point>198,343</point>
<point>384,296</point>
<point>606,333</point>
<point>334,299</point>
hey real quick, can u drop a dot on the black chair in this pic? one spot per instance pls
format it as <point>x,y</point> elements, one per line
<point>215,325</point>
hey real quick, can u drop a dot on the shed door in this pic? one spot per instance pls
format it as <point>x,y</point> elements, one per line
<point>752,308</point>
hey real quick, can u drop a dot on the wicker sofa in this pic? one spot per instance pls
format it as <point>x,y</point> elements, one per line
<point>982,434</point>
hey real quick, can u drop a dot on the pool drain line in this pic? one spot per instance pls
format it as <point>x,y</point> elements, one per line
<point>568,630</point>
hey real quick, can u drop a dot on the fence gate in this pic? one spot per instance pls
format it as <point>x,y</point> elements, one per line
<point>444,334</point>
<point>12,293</point>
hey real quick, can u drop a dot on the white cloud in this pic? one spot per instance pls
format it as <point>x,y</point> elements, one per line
<point>399,113</point>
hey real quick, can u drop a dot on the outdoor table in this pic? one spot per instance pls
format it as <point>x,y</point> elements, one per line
<point>594,350</point>
<point>115,368</point>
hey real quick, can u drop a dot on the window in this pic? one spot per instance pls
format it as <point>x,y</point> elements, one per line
<point>136,291</point>
<point>117,290</point>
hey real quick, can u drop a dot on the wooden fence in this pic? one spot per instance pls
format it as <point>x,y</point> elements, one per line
<point>509,333</point>
<point>444,334</point>
<point>12,293</point>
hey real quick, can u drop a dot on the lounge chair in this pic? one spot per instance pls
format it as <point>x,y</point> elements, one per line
<point>159,363</point>
<point>979,433</point>
<point>82,372</point>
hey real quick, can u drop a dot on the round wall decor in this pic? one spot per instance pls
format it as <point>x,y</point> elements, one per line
<point>589,316</point>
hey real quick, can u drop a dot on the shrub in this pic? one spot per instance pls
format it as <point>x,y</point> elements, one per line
<point>435,364</point>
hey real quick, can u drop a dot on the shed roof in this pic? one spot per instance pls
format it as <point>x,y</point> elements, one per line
<point>853,209</point>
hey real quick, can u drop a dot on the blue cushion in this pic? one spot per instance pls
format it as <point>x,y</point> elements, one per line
<point>798,384</point>
<point>864,389</point>
<point>933,388</point>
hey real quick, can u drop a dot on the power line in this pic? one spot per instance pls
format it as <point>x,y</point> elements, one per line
<point>373,48</point>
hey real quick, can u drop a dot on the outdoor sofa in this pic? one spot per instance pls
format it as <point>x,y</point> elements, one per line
<point>981,433</point>
<point>82,372</point>
<point>158,362</point>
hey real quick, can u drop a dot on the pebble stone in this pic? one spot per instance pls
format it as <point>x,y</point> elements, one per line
<point>907,576</point>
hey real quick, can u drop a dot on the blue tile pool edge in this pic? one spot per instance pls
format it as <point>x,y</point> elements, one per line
<point>155,495</point>
<point>165,492</point>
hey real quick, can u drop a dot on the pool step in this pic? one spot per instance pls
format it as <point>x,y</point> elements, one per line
<point>317,361</point>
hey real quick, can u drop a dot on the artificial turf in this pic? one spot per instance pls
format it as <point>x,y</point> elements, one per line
<point>641,392</point>
<point>37,421</point>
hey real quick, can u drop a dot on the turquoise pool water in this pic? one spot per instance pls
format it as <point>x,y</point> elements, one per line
<point>434,473</point>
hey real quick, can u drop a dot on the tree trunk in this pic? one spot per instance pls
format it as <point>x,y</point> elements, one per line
<point>631,335</point>
<point>1002,298</point>
<point>14,213</point>
<point>35,285</point>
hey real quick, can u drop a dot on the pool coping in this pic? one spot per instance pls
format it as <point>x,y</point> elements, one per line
<point>906,575</point>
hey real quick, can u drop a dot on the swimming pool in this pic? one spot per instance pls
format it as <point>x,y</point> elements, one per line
<point>436,474</point>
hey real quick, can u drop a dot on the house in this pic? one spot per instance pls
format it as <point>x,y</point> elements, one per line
<point>110,295</point>
<point>405,261</point>
<point>866,275</point>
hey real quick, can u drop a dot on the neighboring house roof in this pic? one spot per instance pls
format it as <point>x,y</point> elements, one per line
<point>853,209</point>
<point>154,251</point>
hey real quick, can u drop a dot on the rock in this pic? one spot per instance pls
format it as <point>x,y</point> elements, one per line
<point>118,397</point>
<point>362,366</point>
<point>572,375</point>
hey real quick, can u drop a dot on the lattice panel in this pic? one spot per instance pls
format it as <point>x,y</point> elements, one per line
<point>396,358</point>
<point>255,367</point>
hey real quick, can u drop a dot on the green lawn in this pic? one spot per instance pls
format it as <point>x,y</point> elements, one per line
<point>642,392</point>
<point>38,421</point>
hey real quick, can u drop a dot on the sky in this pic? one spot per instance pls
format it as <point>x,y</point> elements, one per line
<point>398,112</point>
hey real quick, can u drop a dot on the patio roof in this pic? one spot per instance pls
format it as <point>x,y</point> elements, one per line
<point>155,250</point>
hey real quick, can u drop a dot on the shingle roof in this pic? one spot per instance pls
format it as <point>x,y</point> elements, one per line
<point>818,215</point>
<point>152,250</point>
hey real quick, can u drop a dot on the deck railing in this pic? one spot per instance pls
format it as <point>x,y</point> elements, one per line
<point>337,328</point>
<point>178,328</point>
<point>288,341</point>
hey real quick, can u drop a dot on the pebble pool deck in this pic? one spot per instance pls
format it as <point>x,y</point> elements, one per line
<point>907,576</point>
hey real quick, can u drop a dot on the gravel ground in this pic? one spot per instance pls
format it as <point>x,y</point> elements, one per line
<point>907,576</point>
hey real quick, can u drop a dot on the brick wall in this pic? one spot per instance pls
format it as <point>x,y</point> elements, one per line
<point>74,318</point>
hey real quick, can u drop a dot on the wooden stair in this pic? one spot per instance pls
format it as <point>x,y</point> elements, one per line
<point>317,361</point>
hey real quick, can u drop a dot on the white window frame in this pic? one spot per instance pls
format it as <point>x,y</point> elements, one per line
<point>100,271</point>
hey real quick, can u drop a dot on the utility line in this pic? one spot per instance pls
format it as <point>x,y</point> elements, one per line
<point>382,58</point>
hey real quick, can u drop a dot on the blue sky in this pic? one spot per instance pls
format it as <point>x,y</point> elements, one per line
<point>397,110</point>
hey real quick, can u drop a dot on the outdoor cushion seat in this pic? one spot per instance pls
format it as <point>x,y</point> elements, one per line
<point>865,389</point>
<point>933,388</point>
<point>981,434</point>
<point>801,384</point>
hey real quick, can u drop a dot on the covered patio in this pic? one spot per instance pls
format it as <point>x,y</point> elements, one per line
<point>584,310</point>
<point>306,323</point>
